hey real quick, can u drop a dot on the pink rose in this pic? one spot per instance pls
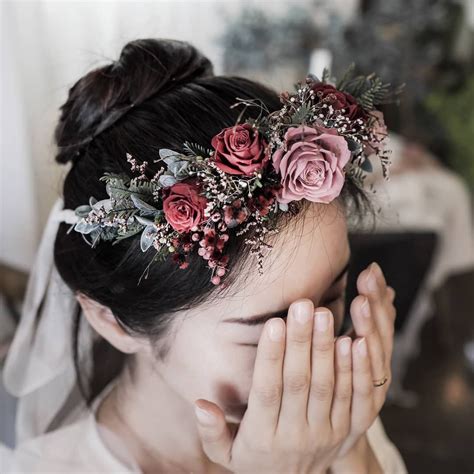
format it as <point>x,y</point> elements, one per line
<point>378,133</point>
<point>239,150</point>
<point>312,166</point>
<point>184,206</point>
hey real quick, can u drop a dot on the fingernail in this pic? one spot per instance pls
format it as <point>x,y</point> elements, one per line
<point>322,320</point>
<point>377,269</point>
<point>345,346</point>
<point>276,330</point>
<point>303,312</point>
<point>204,416</point>
<point>365,308</point>
<point>362,347</point>
<point>371,280</point>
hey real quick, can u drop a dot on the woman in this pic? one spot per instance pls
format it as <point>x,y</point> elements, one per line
<point>209,361</point>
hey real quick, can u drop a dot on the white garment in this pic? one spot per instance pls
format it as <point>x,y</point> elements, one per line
<point>40,373</point>
<point>85,446</point>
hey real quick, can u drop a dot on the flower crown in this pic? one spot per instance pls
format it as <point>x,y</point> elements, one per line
<point>255,171</point>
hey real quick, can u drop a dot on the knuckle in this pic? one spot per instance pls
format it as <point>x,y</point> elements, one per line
<point>299,341</point>
<point>363,370</point>
<point>272,356</point>
<point>344,369</point>
<point>356,303</point>
<point>365,390</point>
<point>269,396</point>
<point>371,329</point>
<point>322,391</point>
<point>324,346</point>
<point>343,393</point>
<point>296,383</point>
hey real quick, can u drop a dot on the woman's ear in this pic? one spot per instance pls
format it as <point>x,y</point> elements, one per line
<point>103,321</point>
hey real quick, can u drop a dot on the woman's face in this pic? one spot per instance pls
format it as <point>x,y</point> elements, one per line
<point>213,348</point>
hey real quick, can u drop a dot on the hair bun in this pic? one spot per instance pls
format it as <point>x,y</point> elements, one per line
<point>145,68</point>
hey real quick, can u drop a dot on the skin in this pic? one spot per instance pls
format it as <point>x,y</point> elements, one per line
<point>223,368</point>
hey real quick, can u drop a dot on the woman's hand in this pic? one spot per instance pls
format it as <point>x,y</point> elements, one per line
<point>373,316</point>
<point>299,408</point>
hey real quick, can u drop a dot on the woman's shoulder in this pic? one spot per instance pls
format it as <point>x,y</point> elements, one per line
<point>74,448</point>
<point>385,450</point>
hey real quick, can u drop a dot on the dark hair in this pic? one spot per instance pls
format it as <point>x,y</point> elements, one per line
<point>176,98</point>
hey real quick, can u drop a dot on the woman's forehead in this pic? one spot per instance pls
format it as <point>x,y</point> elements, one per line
<point>303,263</point>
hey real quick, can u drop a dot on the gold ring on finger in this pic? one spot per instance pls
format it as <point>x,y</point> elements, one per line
<point>380,382</point>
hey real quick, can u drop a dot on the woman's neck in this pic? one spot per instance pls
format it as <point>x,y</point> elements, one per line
<point>155,423</point>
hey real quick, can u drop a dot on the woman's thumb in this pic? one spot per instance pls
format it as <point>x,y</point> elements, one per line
<point>215,435</point>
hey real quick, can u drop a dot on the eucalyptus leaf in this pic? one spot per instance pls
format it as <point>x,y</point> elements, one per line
<point>83,211</point>
<point>85,228</point>
<point>178,168</point>
<point>283,207</point>
<point>166,153</point>
<point>105,203</point>
<point>142,205</point>
<point>167,180</point>
<point>144,221</point>
<point>147,238</point>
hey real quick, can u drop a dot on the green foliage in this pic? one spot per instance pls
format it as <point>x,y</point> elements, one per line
<point>132,230</point>
<point>368,90</point>
<point>326,75</point>
<point>196,149</point>
<point>455,113</point>
<point>121,187</point>
<point>300,115</point>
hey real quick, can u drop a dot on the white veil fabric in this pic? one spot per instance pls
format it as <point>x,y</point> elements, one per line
<point>39,368</point>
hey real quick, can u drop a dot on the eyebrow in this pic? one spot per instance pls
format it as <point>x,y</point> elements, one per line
<point>258,319</point>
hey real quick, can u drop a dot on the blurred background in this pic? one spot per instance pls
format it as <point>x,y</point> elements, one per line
<point>423,237</point>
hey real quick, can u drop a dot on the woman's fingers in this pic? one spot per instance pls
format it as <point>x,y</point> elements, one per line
<point>267,384</point>
<point>341,404</point>
<point>297,366</point>
<point>363,405</point>
<point>215,435</point>
<point>371,283</point>
<point>362,386</point>
<point>366,326</point>
<point>322,368</point>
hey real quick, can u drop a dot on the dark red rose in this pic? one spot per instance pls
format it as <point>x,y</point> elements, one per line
<point>184,206</point>
<point>240,150</point>
<point>340,100</point>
